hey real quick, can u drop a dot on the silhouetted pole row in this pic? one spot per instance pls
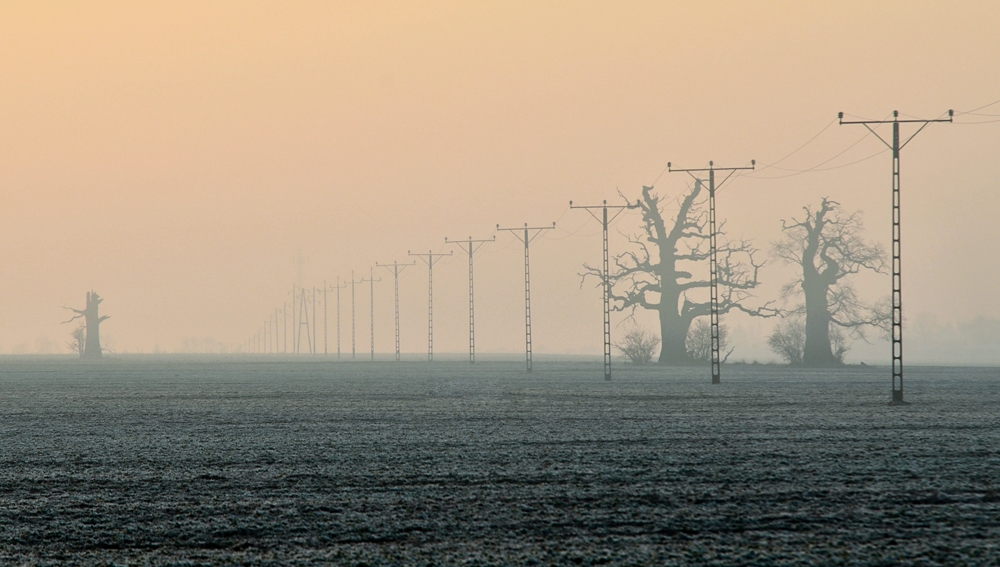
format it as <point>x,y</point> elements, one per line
<point>430,258</point>
<point>396,268</point>
<point>471,246</point>
<point>897,275</point>
<point>605,273</point>
<point>713,255</point>
<point>528,237</point>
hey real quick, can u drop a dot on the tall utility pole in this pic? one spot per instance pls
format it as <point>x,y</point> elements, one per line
<point>295,328</point>
<point>303,321</point>
<point>605,274</point>
<point>354,342</point>
<point>897,276</point>
<point>526,239</point>
<point>284,325</point>
<point>471,246</point>
<point>276,349</point>
<point>371,306</point>
<point>430,258</point>
<point>713,254</point>
<point>315,299</point>
<point>338,288</point>
<point>396,268</point>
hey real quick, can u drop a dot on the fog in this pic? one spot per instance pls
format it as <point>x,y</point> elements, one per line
<point>191,163</point>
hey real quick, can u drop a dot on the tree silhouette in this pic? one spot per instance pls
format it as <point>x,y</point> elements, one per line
<point>829,248</point>
<point>92,347</point>
<point>658,275</point>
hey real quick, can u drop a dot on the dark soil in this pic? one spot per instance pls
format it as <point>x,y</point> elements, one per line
<point>294,463</point>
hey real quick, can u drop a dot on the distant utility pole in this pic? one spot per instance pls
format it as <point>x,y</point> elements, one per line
<point>284,325</point>
<point>471,246</point>
<point>353,327</point>
<point>338,288</point>
<point>295,331</point>
<point>897,276</point>
<point>276,349</point>
<point>713,254</point>
<point>303,321</point>
<point>605,274</point>
<point>430,258</point>
<point>396,268</point>
<point>315,299</point>
<point>371,306</point>
<point>526,239</point>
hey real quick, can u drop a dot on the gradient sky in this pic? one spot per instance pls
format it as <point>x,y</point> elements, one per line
<point>177,157</point>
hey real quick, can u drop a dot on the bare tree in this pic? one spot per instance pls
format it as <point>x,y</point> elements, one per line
<point>829,248</point>
<point>638,346</point>
<point>78,340</point>
<point>699,341</point>
<point>658,274</point>
<point>92,345</point>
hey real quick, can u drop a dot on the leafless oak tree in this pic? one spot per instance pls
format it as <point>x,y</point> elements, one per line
<point>829,247</point>
<point>658,273</point>
<point>92,346</point>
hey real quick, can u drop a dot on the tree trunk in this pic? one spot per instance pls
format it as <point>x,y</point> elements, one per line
<point>92,349</point>
<point>673,337</point>
<point>817,351</point>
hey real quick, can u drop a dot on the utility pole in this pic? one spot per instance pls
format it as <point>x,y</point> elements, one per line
<point>897,275</point>
<point>471,246</point>
<point>326,312</point>
<point>295,332</point>
<point>315,299</point>
<point>353,335</point>
<point>339,287</point>
<point>605,274</point>
<point>528,237</point>
<point>303,321</point>
<point>284,325</point>
<point>713,254</point>
<point>430,260</point>
<point>371,306</point>
<point>396,268</point>
<point>276,349</point>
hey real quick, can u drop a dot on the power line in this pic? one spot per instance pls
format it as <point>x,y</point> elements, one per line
<point>605,274</point>
<point>528,237</point>
<point>713,261</point>
<point>396,268</point>
<point>371,307</point>
<point>897,276</point>
<point>430,258</point>
<point>471,246</point>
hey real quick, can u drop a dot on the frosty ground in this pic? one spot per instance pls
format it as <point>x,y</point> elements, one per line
<point>192,462</point>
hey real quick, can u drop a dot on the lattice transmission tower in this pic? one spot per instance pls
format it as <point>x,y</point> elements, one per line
<point>471,246</point>
<point>430,258</point>
<point>605,272</point>
<point>713,254</point>
<point>897,270</point>
<point>530,233</point>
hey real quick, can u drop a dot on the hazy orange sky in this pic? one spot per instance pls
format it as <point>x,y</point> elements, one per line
<point>176,157</point>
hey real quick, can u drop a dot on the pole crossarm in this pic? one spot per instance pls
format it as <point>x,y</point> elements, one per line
<point>524,234</point>
<point>897,270</point>
<point>396,268</point>
<point>470,246</point>
<point>713,256</point>
<point>605,271</point>
<point>430,258</point>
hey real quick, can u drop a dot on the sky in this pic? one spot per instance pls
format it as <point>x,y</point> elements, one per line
<point>192,161</point>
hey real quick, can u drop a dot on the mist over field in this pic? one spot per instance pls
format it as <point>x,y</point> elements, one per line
<point>496,283</point>
<point>191,163</point>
